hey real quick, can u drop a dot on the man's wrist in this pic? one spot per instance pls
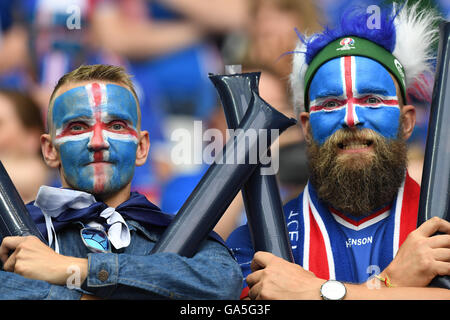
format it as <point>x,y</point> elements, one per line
<point>333,290</point>
<point>391,275</point>
<point>385,279</point>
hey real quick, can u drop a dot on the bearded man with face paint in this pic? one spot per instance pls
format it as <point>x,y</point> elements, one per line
<point>95,140</point>
<point>353,229</point>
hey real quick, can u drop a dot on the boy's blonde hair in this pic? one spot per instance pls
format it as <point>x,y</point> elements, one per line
<point>100,72</point>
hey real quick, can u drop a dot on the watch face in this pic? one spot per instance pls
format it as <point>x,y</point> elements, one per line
<point>333,290</point>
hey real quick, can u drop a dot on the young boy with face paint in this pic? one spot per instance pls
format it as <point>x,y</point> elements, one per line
<point>99,122</point>
<point>355,220</point>
<point>95,141</point>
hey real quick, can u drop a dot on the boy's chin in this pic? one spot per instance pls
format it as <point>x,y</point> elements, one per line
<point>107,191</point>
<point>100,192</point>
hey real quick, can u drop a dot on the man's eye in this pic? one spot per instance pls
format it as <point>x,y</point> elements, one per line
<point>372,100</point>
<point>331,104</point>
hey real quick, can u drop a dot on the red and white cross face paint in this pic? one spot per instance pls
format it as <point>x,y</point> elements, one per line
<point>96,134</point>
<point>353,92</point>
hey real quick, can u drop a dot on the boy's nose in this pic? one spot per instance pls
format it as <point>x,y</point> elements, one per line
<point>98,141</point>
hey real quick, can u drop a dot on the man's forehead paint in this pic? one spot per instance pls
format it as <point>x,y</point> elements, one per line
<point>82,102</point>
<point>368,76</point>
<point>326,82</point>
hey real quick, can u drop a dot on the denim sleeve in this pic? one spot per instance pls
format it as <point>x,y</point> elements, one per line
<point>211,274</point>
<point>16,287</point>
<point>240,243</point>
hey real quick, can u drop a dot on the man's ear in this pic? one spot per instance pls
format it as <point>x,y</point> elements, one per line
<point>51,155</point>
<point>142,148</point>
<point>409,120</point>
<point>306,126</point>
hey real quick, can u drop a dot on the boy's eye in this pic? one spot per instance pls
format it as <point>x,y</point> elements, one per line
<point>77,126</point>
<point>117,125</point>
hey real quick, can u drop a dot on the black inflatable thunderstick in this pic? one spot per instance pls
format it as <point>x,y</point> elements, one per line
<point>222,181</point>
<point>15,220</point>
<point>260,193</point>
<point>435,185</point>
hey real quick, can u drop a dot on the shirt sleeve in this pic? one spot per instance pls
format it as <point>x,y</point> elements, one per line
<point>16,287</point>
<point>240,244</point>
<point>212,273</point>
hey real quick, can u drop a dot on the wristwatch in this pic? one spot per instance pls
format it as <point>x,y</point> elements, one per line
<point>333,290</point>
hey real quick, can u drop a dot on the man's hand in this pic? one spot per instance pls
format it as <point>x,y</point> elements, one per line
<point>422,256</point>
<point>276,278</point>
<point>34,260</point>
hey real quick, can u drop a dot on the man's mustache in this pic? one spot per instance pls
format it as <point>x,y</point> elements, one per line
<point>351,138</point>
<point>344,137</point>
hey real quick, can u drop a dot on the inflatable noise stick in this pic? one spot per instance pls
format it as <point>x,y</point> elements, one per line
<point>260,192</point>
<point>435,185</point>
<point>15,219</point>
<point>223,179</point>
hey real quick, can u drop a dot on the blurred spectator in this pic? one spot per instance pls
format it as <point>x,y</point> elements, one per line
<point>171,43</point>
<point>271,37</point>
<point>21,126</point>
<point>444,7</point>
<point>14,59</point>
<point>44,39</point>
<point>270,33</point>
<point>332,9</point>
<point>419,95</point>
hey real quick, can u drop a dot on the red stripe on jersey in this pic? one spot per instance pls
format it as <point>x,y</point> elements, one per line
<point>408,218</point>
<point>318,261</point>
<point>244,293</point>
<point>359,222</point>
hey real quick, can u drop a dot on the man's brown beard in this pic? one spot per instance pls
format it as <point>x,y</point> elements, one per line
<point>357,183</point>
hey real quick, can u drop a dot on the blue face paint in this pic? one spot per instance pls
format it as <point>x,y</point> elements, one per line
<point>96,134</point>
<point>353,91</point>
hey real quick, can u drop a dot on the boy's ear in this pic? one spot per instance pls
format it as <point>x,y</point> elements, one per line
<point>51,155</point>
<point>142,148</point>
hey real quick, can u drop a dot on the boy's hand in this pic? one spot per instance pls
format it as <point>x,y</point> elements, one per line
<point>34,260</point>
